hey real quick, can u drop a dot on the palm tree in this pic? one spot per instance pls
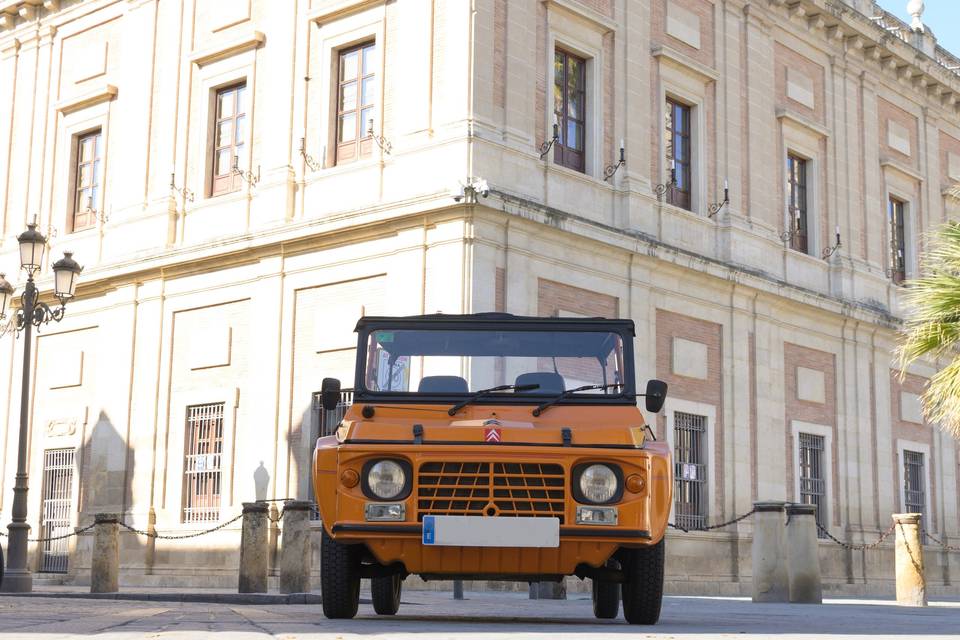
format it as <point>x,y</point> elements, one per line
<point>932,326</point>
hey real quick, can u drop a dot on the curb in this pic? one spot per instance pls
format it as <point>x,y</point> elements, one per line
<point>216,598</point>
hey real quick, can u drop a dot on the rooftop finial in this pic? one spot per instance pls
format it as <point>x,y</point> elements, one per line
<point>915,9</point>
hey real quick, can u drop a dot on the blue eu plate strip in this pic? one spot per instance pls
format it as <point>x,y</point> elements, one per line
<point>428,530</point>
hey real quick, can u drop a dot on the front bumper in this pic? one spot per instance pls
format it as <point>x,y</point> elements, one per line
<point>642,516</point>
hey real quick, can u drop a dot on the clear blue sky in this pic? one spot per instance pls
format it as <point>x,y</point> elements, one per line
<point>942,16</point>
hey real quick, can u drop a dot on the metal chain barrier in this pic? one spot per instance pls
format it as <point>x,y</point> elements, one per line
<point>857,547</point>
<point>924,532</point>
<point>75,532</point>
<point>713,526</point>
<point>179,537</point>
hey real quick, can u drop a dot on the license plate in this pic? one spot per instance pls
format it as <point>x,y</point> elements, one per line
<point>476,531</point>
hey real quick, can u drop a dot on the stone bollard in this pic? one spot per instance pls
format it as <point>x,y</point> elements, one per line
<point>105,565</point>
<point>253,548</point>
<point>911,583</point>
<point>770,582</point>
<point>803,554</point>
<point>548,590</point>
<point>295,552</point>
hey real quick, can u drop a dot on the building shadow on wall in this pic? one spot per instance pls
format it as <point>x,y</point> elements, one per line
<point>106,467</point>
<point>300,442</point>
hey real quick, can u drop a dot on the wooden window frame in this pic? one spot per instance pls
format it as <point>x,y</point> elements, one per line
<point>361,145</point>
<point>564,154</point>
<point>230,182</point>
<point>83,214</point>
<point>680,183</point>
<point>896,216</point>
<point>797,202</point>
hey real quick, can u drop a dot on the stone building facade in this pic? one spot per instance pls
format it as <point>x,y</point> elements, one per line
<point>242,180</point>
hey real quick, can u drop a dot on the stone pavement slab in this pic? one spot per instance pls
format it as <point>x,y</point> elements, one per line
<point>434,616</point>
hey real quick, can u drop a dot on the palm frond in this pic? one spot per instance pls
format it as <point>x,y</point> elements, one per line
<point>932,327</point>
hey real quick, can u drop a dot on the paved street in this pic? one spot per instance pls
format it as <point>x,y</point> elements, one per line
<point>487,615</point>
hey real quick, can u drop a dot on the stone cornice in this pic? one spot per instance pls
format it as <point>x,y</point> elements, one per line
<point>887,162</point>
<point>855,34</point>
<point>100,94</point>
<point>605,24</point>
<point>334,9</point>
<point>251,40</point>
<point>802,121</point>
<point>675,57</point>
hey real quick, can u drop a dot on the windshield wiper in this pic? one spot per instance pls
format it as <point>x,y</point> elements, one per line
<point>479,394</point>
<point>566,394</point>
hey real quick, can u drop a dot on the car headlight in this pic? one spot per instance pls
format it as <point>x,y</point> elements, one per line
<point>599,484</point>
<point>386,479</point>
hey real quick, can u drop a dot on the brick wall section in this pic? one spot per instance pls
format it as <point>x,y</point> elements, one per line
<point>500,53</point>
<point>903,430</point>
<point>672,325</point>
<point>554,297</point>
<point>786,58</point>
<point>948,145</point>
<point>658,29</point>
<point>600,6</point>
<point>889,111</point>
<point>818,413</point>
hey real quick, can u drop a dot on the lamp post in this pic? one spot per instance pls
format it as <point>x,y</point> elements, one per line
<point>32,313</point>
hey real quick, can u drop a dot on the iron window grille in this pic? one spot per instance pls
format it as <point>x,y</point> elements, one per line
<point>679,154</point>
<point>813,484</point>
<point>914,487</point>
<point>325,424</point>
<point>797,194</point>
<point>690,470</point>
<point>57,509</point>
<point>202,470</point>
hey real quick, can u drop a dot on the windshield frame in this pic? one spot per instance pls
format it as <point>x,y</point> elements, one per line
<point>494,322</point>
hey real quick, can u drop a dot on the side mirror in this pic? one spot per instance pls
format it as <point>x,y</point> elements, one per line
<point>656,395</point>
<point>330,393</point>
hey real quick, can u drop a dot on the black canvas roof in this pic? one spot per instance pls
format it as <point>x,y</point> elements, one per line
<point>489,321</point>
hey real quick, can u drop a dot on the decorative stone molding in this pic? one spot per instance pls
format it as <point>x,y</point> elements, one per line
<point>802,121</point>
<point>74,103</point>
<point>580,10</point>
<point>890,163</point>
<point>675,57</point>
<point>334,9</point>
<point>251,40</point>
<point>911,409</point>
<point>682,24</point>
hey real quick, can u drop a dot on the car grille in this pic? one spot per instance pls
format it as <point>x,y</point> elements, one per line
<point>528,489</point>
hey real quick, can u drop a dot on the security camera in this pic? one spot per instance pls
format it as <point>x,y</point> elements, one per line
<point>480,186</point>
<point>457,192</point>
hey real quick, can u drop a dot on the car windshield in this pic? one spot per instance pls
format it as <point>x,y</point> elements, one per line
<point>461,362</point>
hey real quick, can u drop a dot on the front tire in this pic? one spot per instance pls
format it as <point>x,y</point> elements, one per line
<point>386,594</point>
<point>643,589</point>
<point>339,577</point>
<point>606,599</point>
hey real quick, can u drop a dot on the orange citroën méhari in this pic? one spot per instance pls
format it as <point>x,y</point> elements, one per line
<point>494,447</point>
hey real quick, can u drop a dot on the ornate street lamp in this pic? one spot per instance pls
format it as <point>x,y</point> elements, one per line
<point>32,313</point>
